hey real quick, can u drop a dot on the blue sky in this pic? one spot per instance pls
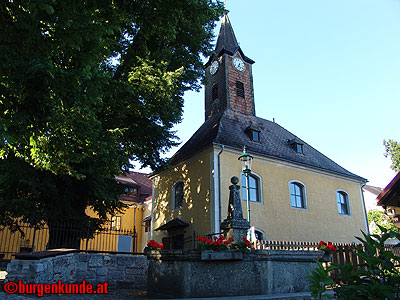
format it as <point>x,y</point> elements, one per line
<point>328,71</point>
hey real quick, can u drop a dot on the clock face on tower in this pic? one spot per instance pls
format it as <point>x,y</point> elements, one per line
<point>238,64</point>
<point>214,68</point>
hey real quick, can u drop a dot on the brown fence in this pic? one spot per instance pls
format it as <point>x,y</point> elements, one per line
<point>64,236</point>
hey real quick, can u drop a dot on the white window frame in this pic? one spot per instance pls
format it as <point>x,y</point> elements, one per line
<point>261,231</point>
<point>116,222</point>
<point>173,206</point>
<point>348,202</point>
<point>304,194</point>
<point>259,186</point>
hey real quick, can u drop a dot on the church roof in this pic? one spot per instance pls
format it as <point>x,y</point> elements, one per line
<point>228,128</point>
<point>226,42</point>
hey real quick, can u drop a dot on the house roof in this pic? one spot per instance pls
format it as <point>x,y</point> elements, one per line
<point>390,196</point>
<point>174,223</point>
<point>373,189</point>
<point>228,128</point>
<point>136,179</point>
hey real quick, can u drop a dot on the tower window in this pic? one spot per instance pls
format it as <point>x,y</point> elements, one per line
<point>239,89</point>
<point>214,92</point>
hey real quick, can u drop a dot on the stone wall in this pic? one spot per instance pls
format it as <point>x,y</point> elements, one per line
<point>120,271</point>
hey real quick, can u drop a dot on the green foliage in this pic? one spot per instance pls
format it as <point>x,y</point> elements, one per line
<point>380,218</point>
<point>392,149</point>
<point>378,277</point>
<point>85,87</point>
<point>320,280</point>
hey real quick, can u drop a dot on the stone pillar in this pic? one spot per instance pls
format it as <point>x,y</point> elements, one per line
<point>235,225</point>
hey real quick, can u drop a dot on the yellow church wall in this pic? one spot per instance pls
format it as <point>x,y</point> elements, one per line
<point>145,236</point>
<point>195,173</point>
<point>275,216</point>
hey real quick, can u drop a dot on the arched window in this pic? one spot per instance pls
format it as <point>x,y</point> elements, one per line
<point>178,195</point>
<point>342,199</point>
<point>254,187</point>
<point>297,194</point>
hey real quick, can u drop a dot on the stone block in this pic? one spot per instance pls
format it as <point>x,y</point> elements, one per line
<point>221,255</point>
<point>83,257</point>
<point>95,261</point>
<point>81,266</point>
<point>101,271</point>
<point>132,285</point>
<point>39,267</point>
<point>101,279</point>
<point>135,271</point>
<point>125,260</point>
<point>116,275</point>
<point>110,261</point>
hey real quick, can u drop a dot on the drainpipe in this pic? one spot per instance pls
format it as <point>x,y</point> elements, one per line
<point>134,230</point>
<point>365,211</point>
<point>219,184</point>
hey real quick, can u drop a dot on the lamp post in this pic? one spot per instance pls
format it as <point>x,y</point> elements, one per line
<point>246,160</point>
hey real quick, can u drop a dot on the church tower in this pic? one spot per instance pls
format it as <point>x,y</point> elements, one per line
<point>229,79</point>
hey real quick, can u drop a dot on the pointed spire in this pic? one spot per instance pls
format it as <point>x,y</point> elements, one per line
<point>226,39</point>
<point>227,42</point>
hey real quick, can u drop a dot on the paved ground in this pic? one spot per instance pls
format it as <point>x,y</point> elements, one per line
<point>126,295</point>
<point>130,295</point>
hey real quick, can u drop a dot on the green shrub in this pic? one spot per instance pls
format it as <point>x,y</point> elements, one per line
<point>378,277</point>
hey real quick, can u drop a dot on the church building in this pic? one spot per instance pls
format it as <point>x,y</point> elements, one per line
<point>296,193</point>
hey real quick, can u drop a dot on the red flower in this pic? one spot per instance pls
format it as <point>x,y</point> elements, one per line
<point>227,242</point>
<point>154,245</point>
<point>221,237</point>
<point>215,238</point>
<point>230,239</point>
<point>321,243</point>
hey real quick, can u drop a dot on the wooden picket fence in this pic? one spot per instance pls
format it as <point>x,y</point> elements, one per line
<point>345,253</point>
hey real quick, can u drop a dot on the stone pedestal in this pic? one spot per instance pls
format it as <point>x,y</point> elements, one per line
<point>235,225</point>
<point>235,228</point>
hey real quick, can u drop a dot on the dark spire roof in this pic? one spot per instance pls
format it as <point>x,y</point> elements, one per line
<point>226,42</point>
<point>226,39</point>
<point>228,128</point>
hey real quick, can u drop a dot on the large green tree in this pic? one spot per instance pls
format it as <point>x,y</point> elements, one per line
<point>85,87</point>
<point>392,149</point>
